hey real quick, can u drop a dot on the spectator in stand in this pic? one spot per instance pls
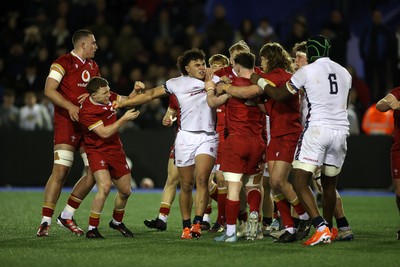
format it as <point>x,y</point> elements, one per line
<point>102,28</point>
<point>299,32</point>
<point>354,127</point>
<point>46,102</point>
<point>60,34</point>
<point>32,41</point>
<point>339,34</point>
<point>128,44</point>
<point>396,62</point>
<point>376,46</point>
<point>118,79</point>
<point>15,62</point>
<point>105,54</point>
<point>152,114</point>
<point>263,34</point>
<point>9,113</point>
<point>245,30</point>
<point>363,100</point>
<point>29,81</point>
<point>33,116</point>
<point>220,29</point>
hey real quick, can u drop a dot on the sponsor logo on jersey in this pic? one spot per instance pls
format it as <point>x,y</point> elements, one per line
<point>85,76</point>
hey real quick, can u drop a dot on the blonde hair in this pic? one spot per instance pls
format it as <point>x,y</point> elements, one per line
<point>240,46</point>
<point>218,58</point>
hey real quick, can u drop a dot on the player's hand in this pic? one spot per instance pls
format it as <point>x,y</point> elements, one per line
<point>209,75</point>
<point>138,87</point>
<point>116,105</point>
<point>222,87</point>
<point>131,114</point>
<point>225,79</point>
<point>395,105</point>
<point>168,121</point>
<point>73,112</point>
<point>82,98</point>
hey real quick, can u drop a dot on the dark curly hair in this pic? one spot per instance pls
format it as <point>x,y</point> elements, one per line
<point>187,56</point>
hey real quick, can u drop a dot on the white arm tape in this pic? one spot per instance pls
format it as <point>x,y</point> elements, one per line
<point>55,75</point>
<point>262,83</point>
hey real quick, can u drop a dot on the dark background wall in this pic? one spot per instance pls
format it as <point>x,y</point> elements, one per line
<point>27,158</point>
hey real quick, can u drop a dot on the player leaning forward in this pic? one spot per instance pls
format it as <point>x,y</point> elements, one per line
<point>326,86</point>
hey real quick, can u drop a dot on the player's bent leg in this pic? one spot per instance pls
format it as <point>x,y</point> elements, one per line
<point>123,186</point>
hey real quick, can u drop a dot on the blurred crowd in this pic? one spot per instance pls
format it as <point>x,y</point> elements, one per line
<point>141,40</point>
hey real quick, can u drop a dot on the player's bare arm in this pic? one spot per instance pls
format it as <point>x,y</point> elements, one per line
<point>278,94</point>
<point>243,92</point>
<point>139,99</point>
<point>50,90</point>
<point>138,88</point>
<point>388,102</point>
<point>214,100</point>
<point>109,130</point>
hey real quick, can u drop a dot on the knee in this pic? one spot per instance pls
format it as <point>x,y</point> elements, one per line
<point>186,187</point>
<point>276,184</point>
<point>104,188</point>
<point>201,183</point>
<point>125,194</point>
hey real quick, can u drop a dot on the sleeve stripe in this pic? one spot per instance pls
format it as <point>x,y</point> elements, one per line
<point>291,88</point>
<point>58,67</point>
<point>94,125</point>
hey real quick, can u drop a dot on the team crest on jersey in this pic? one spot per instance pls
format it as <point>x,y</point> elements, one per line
<point>85,76</point>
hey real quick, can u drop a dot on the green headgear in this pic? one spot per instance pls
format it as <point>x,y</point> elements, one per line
<point>317,46</point>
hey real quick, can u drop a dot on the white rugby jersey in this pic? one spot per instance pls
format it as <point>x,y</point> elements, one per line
<point>326,86</point>
<point>196,115</point>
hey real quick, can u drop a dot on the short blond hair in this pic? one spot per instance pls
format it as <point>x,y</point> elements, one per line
<point>240,46</point>
<point>218,58</point>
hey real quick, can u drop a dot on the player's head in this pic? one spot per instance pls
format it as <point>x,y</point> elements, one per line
<point>317,46</point>
<point>218,61</point>
<point>98,89</point>
<point>95,83</point>
<point>237,48</point>
<point>299,52</point>
<point>84,42</point>
<point>244,60</point>
<point>193,63</point>
<point>79,35</point>
<point>273,56</point>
